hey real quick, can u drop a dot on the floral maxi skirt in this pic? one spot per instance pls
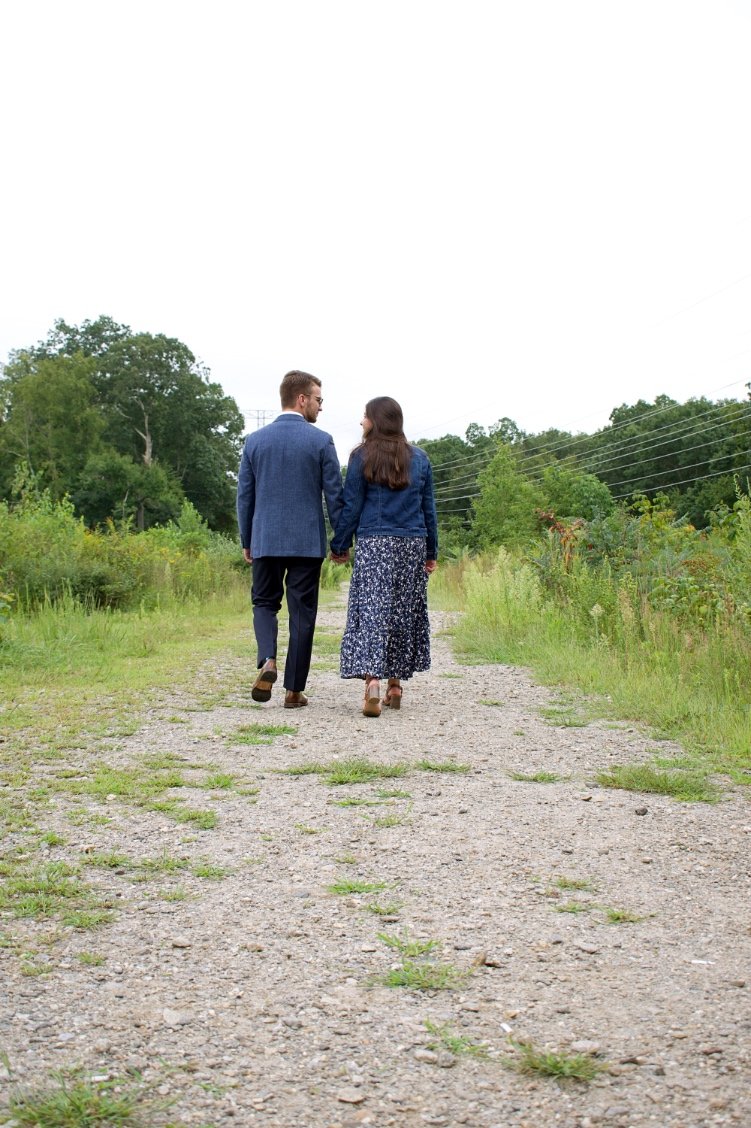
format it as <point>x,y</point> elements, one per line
<point>388,632</point>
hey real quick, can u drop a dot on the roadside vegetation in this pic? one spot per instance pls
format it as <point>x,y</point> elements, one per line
<point>640,611</point>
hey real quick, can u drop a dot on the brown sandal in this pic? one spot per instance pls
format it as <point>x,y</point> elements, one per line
<point>372,704</point>
<point>393,695</point>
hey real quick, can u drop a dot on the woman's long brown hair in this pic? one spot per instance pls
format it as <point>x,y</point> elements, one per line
<point>386,454</point>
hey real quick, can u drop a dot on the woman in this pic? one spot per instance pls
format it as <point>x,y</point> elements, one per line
<point>389,503</point>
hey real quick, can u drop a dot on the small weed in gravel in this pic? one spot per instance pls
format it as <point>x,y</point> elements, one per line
<point>165,863</point>
<point>362,771</point>
<point>344,885</point>
<point>622,916</point>
<point>455,1043</point>
<point>304,769</point>
<point>393,794</point>
<point>536,777</point>
<point>204,820</point>
<point>573,907</point>
<point>80,816</point>
<point>110,859</point>
<point>51,838</point>
<point>43,891</point>
<point>91,959</point>
<point>77,1103</point>
<point>407,947</point>
<point>87,919</point>
<point>562,718</point>
<point>690,787</point>
<point>260,734</point>
<point>550,1063</point>
<point>164,761</point>
<point>424,976</point>
<point>353,770</point>
<point>391,909</point>
<point>441,766</point>
<point>219,781</point>
<point>352,802</point>
<point>208,870</point>
<point>176,894</point>
<point>29,966</point>
<point>389,820</point>
<point>577,883</point>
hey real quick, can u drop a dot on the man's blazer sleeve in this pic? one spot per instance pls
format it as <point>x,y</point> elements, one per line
<point>332,483</point>
<point>246,499</point>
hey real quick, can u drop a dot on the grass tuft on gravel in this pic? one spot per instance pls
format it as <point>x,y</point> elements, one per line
<point>78,1103</point>
<point>357,769</point>
<point>408,947</point>
<point>260,734</point>
<point>689,787</point>
<point>528,1059</point>
<point>456,1044</point>
<point>424,976</point>
<point>344,885</point>
<point>441,766</point>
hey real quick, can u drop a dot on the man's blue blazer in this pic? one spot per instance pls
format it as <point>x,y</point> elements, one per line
<point>286,469</point>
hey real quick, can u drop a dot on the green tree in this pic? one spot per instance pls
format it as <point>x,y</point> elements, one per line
<point>572,493</point>
<point>50,422</point>
<point>505,511</point>
<point>687,451</point>
<point>157,406</point>
<point>112,485</point>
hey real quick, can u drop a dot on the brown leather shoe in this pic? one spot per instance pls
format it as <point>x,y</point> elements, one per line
<point>267,675</point>
<point>294,699</point>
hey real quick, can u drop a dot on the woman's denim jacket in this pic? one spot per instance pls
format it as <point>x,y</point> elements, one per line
<point>373,510</point>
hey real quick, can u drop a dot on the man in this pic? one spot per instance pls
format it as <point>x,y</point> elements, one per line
<point>285,468</point>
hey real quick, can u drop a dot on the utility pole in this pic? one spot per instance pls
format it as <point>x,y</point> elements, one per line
<point>260,415</point>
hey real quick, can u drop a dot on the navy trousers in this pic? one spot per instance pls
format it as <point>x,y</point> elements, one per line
<point>301,576</point>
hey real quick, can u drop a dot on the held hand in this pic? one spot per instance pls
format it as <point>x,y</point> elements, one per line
<point>340,557</point>
<point>246,556</point>
<point>430,566</point>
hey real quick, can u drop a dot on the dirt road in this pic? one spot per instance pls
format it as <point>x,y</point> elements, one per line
<point>245,991</point>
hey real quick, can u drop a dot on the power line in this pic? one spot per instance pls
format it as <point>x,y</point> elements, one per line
<point>575,441</point>
<point>686,481</point>
<point>486,456</point>
<point>597,461</point>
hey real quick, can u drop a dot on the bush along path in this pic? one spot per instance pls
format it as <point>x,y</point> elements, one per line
<point>238,914</point>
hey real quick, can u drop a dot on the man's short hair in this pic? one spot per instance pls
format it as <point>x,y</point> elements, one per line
<point>293,384</point>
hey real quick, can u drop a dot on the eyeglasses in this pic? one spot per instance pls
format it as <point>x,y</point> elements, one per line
<point>311,396</point>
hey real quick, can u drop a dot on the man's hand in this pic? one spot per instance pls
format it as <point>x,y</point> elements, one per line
<point>246,556</point>
<point>430,566</point>
<point>340,557</point>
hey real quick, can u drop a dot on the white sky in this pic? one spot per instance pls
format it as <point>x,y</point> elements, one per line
<point>531,208</point>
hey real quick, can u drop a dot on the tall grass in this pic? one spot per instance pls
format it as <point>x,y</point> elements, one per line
<point>661,636</point>
<point>96,624</point>
<point>47,554</point>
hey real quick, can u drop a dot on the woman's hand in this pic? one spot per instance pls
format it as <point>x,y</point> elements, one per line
<point>430,566</point>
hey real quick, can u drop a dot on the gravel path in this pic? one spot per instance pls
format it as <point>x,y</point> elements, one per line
<point>258,999</point>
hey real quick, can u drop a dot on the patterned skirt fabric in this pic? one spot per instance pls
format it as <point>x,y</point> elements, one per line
<point>387,632</point>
